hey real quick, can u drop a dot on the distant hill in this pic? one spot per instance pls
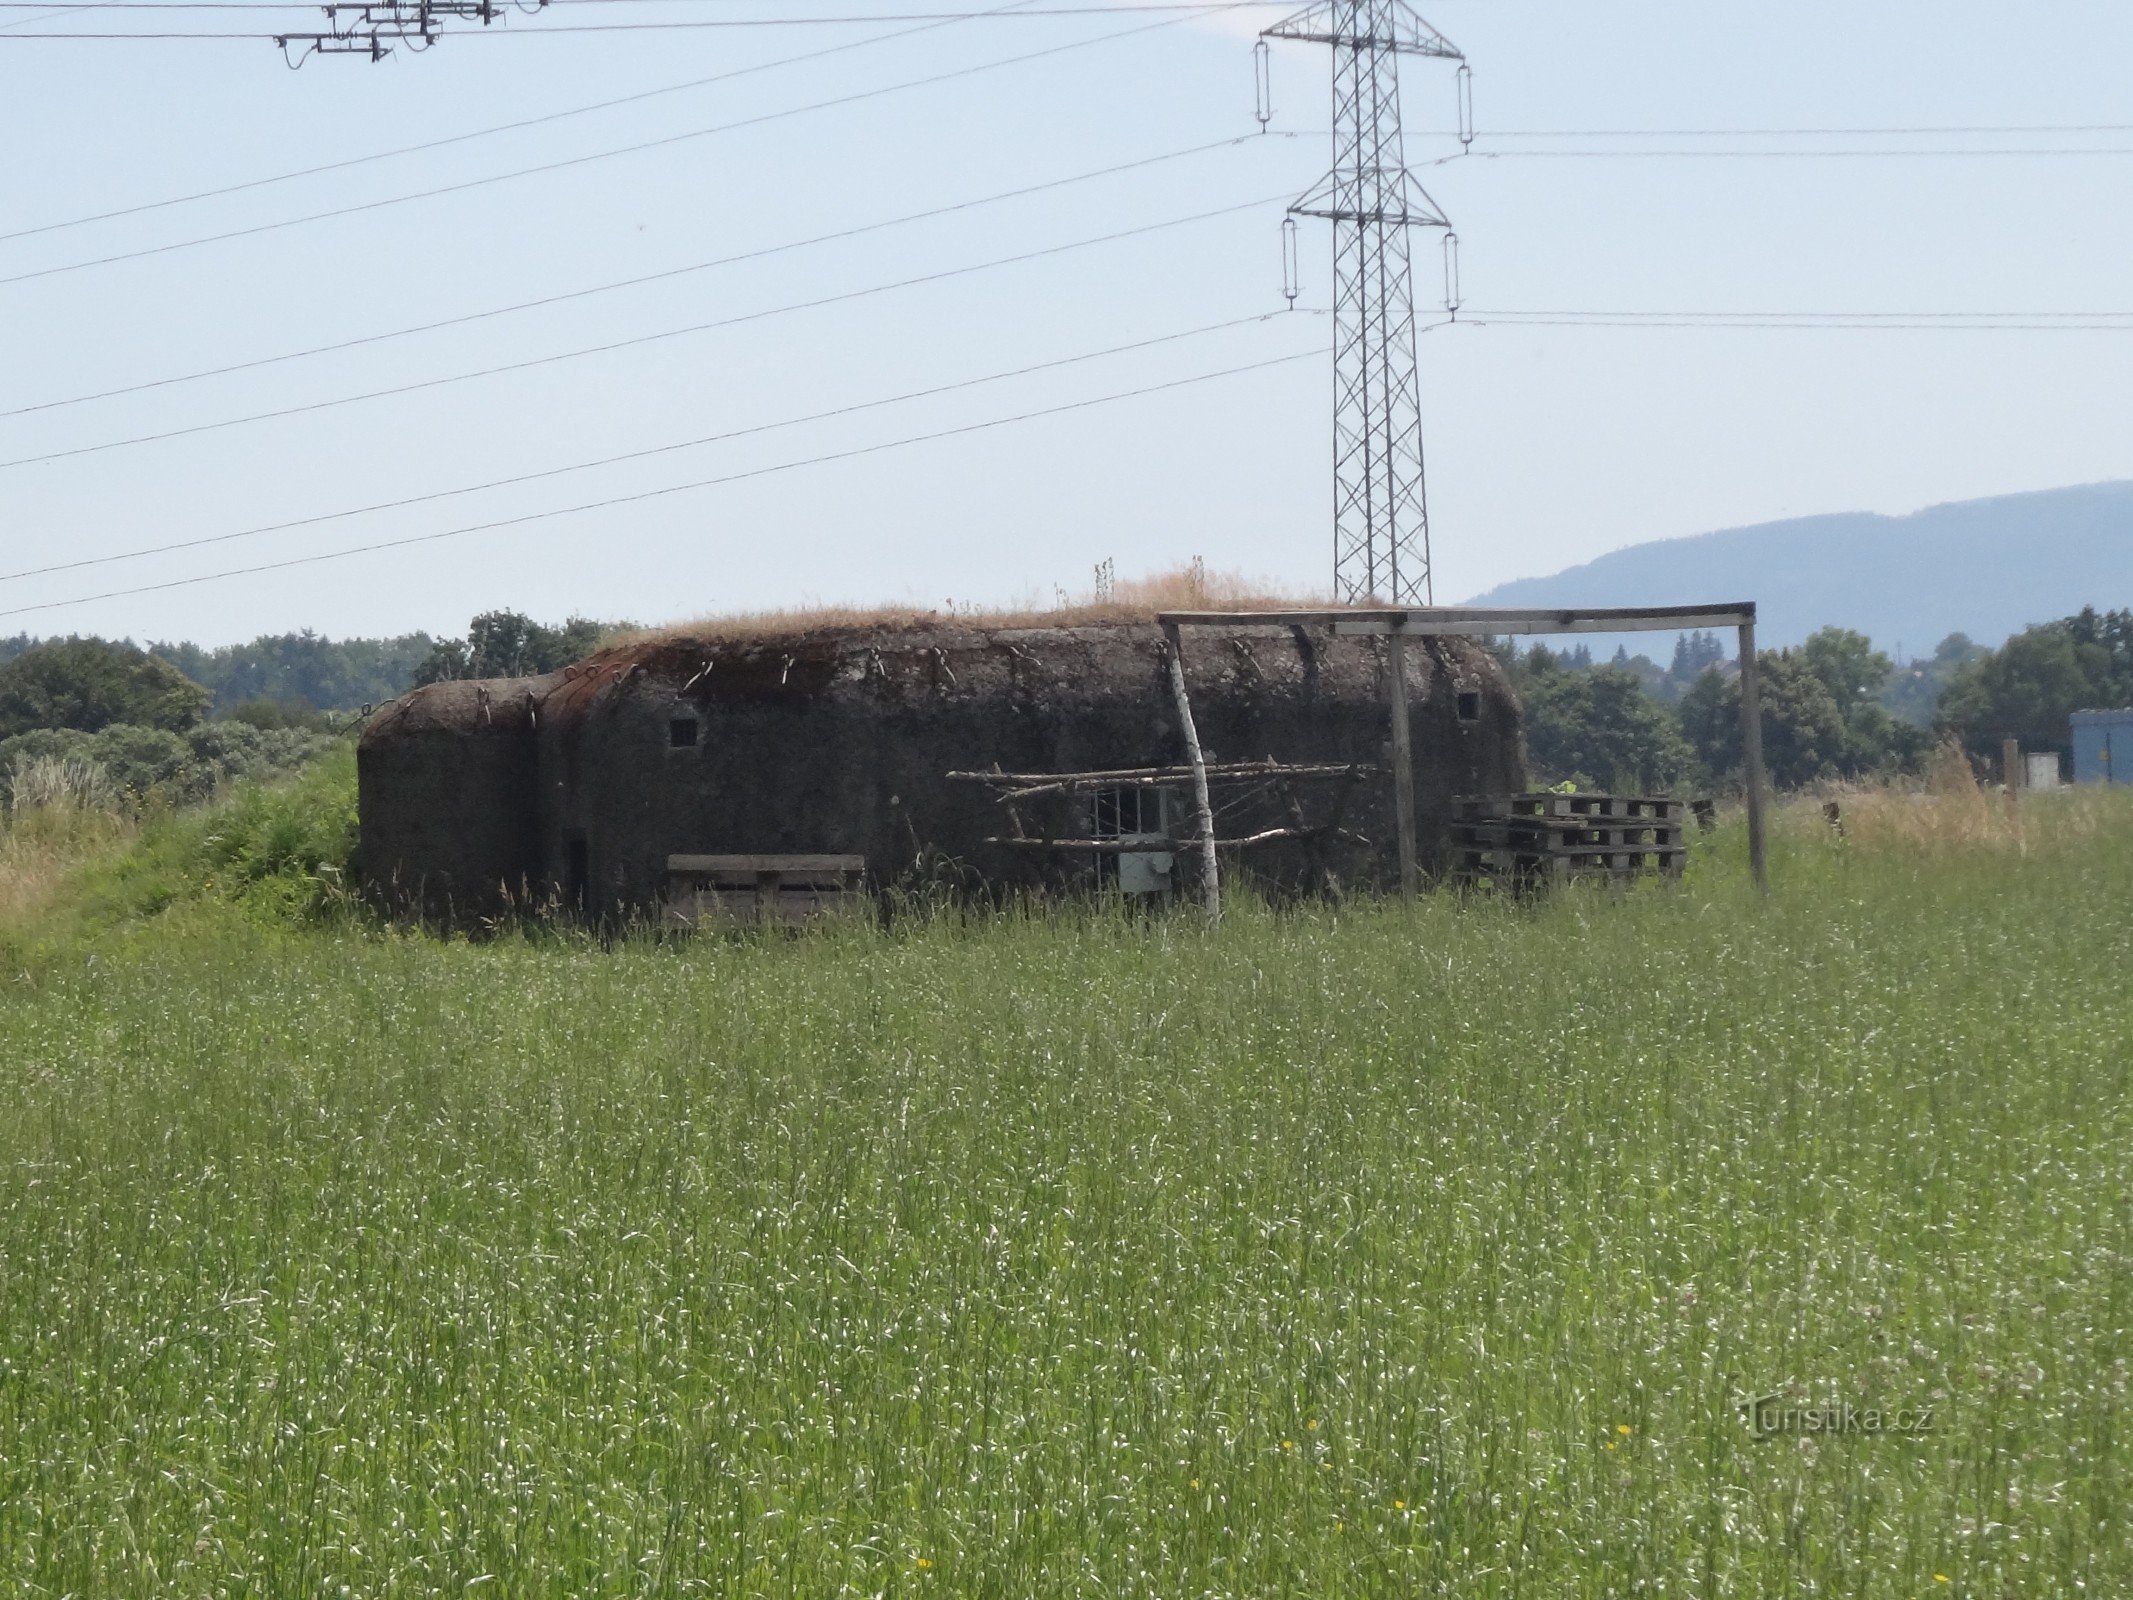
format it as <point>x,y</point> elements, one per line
<point>1987,568</point>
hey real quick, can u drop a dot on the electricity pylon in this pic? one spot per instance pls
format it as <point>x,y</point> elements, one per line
<point>1380,511</point>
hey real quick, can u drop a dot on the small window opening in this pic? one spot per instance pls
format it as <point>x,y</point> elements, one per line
<point>681,734</point>
<point>1469,705</point>
<point>1137,814</point>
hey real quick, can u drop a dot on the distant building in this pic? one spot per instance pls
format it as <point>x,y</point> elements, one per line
<point>2103,746</point>
<point>653,772</point>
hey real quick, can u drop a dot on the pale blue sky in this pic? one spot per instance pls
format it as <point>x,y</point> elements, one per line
<point>1548,445</point>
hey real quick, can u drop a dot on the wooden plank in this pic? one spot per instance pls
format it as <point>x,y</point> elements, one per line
<point>1022,785</point>
<point>1655,834</point>
<point>1403,763</point>
<point>1203,811</point>
<point>1751,734</point>
<point>1483,620</point>
<point>1566,810</point>
<point>1143,845</point>
<point>791,865</point>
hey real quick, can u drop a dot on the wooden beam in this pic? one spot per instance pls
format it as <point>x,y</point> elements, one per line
<point>1022,784</point>
<point>1751,739</point>
<point>1403,761</point>
<point>792,864</point>
<point>1203,811</point>
<point>1479,620</point>
<point>1149,845</point>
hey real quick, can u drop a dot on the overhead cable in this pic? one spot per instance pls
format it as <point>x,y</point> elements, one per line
<point>855,98</point>
<point>566,296</point>
<point>656,450</point>
<point>844,47</point>
<point>642,496</point>
<point>642,339</point>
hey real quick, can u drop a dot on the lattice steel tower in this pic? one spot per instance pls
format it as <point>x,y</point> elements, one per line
<point>1380,512</point>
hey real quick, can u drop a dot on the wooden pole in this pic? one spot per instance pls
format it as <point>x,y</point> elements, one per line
<point>1403,760</point>
<point>1203,810</point>
<point>1751,738</point>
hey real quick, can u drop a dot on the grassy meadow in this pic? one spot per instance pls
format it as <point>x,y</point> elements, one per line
<point>1363,1250</point>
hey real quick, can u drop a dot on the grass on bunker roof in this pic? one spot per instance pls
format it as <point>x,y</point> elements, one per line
<point>1130,600</point>
<point>1357,1251</point>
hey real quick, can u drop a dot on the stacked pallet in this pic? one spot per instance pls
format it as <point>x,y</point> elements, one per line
<point>1538,839</point>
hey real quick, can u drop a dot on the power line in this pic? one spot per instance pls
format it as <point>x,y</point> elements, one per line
<point>462,138</point>
<point>1860,322</point>
<point>1185,7</point>
<point>654,450</point>
<point>762,253</point>
<point>1967,130</point>
<point>599,155</point>
<point>642,339</point>
<point>1798,155</point>
<point>641,496</point>
<point>691,25</point>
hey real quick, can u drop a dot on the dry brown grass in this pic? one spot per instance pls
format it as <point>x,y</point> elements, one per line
<point>1949,812</point>
<point>41,846</point>
<point>1133,600</point>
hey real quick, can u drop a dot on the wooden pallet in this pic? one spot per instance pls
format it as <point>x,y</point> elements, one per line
<point>1549,805</point>
<point>1548,834</point>
<point>1527,840</point>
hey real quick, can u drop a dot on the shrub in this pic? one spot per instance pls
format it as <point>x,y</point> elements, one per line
<point>90,684</point>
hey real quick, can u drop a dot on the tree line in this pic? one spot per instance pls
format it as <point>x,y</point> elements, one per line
<point>1833,707</point>
<point>130,724</point>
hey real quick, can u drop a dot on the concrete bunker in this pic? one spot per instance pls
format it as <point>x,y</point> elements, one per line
<point>696,769</point>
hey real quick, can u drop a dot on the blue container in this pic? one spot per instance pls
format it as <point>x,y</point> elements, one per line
<point>2103,746</point>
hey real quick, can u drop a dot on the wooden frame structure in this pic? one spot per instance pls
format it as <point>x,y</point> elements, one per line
<point>1399,624</point>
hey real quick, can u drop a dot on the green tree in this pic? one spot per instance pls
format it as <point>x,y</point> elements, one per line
<point>2030,685</point>
<point>1913,694</point>
<point>303,671</point>
<point>1857,676</point>
<point>1805,736</point>
<point>89,684</point>
<point>1598,727</point>
<point>506,644</point>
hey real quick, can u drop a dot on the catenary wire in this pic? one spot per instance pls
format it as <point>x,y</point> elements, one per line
<point>568,162</point>
<point>641,496</point>
<point>648,278</point>
<point>659,450</point>
<point>840,298</point>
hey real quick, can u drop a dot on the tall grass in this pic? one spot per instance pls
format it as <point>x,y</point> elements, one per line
<point>59,814</point>
<point>1362,1251</point>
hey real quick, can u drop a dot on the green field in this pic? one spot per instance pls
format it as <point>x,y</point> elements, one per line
<point>1346,1251</point>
